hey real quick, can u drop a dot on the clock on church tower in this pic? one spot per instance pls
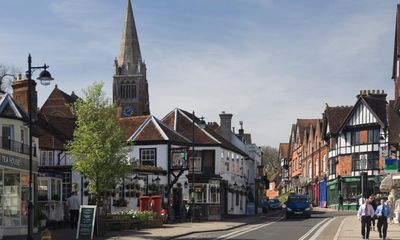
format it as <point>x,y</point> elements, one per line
<point>127,111</point>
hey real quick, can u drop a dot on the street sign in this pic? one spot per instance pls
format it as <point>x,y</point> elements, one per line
<point>391,165</point>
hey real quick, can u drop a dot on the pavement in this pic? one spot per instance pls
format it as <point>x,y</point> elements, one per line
<point>341,226</point>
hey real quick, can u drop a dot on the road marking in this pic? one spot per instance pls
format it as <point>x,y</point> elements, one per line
<point>317,233</point>
<point>312,230</point>
<point>339,230</point>
<point>248,229</point>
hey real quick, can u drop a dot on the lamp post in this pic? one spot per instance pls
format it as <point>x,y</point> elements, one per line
<point>202,126</point>
<point>45,78</point>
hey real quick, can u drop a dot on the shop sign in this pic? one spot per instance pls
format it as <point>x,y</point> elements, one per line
<point>179,158</point>
<point>391,165</point>
<point>15,162</point>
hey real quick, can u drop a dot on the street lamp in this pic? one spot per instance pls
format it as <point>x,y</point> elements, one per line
<point>45,78</point>
<point>202,125</point>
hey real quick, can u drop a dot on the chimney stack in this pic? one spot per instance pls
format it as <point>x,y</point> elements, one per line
<point>20,95</point>
<point>226,124</point>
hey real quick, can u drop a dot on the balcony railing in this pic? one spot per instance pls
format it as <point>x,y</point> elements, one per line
<point>15,146</point>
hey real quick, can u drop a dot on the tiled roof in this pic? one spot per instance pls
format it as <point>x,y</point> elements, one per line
<point>394,123</point>
<point>336,116</point>
<point>131,124</point>
<point>54,131</point>
<point>149,128</point>
<point>304,126</point>
<point>182,122</point>
<point>378,106</point>
<point>58,103</point>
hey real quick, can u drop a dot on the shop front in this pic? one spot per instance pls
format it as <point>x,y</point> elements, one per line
<point>14,190</point>
<point>350,188</point>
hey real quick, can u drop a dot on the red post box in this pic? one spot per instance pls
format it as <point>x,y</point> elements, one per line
<point>156,204</point>
<point>144,203</point>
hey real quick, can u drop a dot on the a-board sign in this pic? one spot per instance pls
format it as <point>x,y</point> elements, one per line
<point>87,216</point>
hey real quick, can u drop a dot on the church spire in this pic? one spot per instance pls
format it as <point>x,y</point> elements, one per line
<point>129,54</point>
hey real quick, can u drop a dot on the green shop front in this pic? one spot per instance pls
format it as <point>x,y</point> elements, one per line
<point>350,187</point>
<point>14,190</point>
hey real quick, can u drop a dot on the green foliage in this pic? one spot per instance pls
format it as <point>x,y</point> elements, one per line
<point>98,148</point>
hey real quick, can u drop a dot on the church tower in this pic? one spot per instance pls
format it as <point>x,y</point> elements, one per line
<point>130,87</point>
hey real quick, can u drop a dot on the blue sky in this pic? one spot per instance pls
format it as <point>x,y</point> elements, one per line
<point>267,62</point>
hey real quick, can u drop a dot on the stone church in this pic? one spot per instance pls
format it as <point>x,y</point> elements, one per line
<point>130,87</point>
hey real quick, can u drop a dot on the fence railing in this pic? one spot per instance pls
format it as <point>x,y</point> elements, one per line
<point>15,146</point>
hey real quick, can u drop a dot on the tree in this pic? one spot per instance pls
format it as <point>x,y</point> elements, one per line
<point>271,160</point>
<point>7,75</point>
<point>98,147</point>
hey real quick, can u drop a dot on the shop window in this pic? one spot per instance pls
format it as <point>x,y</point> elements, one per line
<point>148,156</point>
<point>11,199</point>
<point>201,193</point>
<point>66,185</point>
<point>42,189</point>
<point>213,193</point>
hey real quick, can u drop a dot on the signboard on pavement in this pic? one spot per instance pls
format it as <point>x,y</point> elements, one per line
<point>87,215</point>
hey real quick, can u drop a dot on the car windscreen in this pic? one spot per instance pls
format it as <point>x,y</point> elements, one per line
<point>297,199</point>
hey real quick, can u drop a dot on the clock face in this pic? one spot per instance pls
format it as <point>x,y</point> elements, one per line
<point>128,111</point>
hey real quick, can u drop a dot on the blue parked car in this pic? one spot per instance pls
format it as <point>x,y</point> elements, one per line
<point>274,204</point>
<point>298,205</point>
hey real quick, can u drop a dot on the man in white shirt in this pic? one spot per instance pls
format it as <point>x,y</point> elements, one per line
<point>73,204</point>
<point>365,214</point>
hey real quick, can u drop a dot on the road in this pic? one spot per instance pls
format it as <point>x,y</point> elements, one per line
<point>275,226</point>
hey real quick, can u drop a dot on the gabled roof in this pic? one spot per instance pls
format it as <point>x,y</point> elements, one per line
<point>376,105</point>
<point>303,126</point>
<point>335,116</point>
<point>182,121</point>
<point>58,103</point>
<point>54,131</point>
<point>394,123</point>
<point>9,108</point>
<point>148,128</point>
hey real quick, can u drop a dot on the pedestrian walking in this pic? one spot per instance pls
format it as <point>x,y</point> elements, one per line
<point>364,214</point>
<point>397,210</point>
<point>373,203</point>
<point>390,202</point>
<point>382,212</point>
<point>73,205</point>
<point>340,202</point>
